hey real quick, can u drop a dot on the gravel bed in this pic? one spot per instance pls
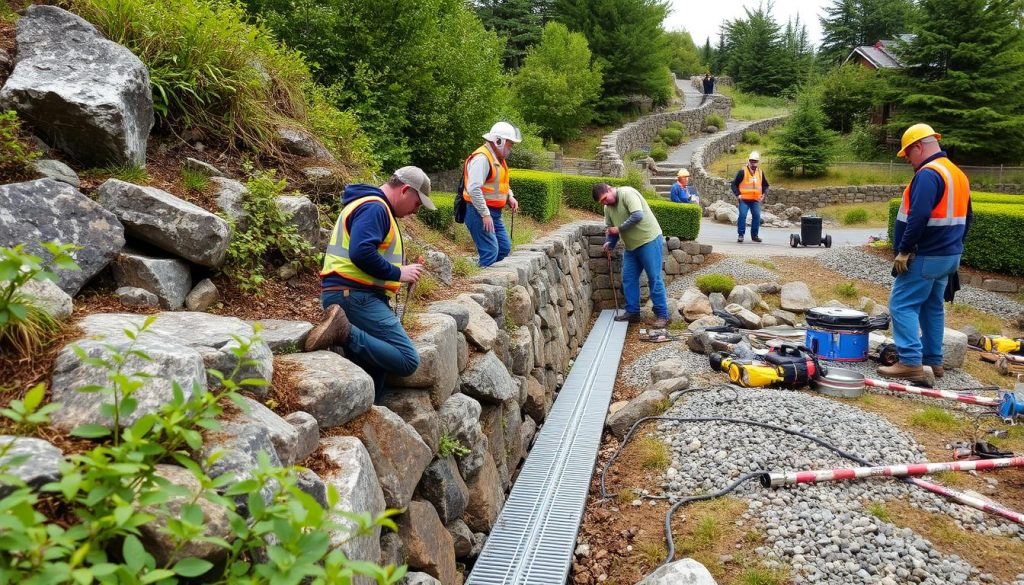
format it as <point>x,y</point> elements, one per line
<point>823,531</point>
<point>638,373</point>
<point>855,263</point>
<point>737,268</point>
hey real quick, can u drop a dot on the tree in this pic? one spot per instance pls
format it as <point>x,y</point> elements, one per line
<point>752,53</point>
<point>848,93</point>
<point>558,85</point>
<point>518,22</point>
<point>805,143</point>
<point>852,23</point>
<point>964,75</point>
<point>627,40</point>
<point>707,55</point>
<point>683,59</point>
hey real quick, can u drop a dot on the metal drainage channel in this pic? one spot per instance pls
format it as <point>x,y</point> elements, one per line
<point>534,537</point>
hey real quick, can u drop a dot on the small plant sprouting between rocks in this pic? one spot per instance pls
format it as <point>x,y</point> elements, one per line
<point>277,533</point>
<point>451,446</point>
<point>720,283</point>
<point>847,290</point>
<point>23,323</point>
<point>195,181</point>
<point>15,155</point>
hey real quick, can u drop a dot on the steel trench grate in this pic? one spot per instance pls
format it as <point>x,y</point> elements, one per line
<point>534,537</point>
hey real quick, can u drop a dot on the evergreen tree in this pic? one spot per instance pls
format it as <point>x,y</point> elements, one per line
<point>753,53</point>
<point>683,59</point>
<point>627,40</point>
<point>852,23</point>
<point>557,86</point>
<point>519,22</point>
<point>964,75</point>
<point>805,143</point>
<point>707,55</point>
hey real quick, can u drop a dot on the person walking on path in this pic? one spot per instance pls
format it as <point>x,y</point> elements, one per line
<point>681,191</point>
<point>931,226</point>
<point>708,85</point>
<point>364,268</point>
<point>627,216</point>
<point>485,175</point>
<point>750,187</point>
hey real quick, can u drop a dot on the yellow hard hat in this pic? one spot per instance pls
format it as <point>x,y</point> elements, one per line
<point>683,173</point>
<point>915,133</point>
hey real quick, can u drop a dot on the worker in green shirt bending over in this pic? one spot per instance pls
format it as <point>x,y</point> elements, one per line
<point>628,216</point>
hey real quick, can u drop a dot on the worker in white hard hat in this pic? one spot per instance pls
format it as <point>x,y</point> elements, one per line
<point>750,187</point>
<point>681,191</point>
<point>485,175</point>
<point>928,238</point>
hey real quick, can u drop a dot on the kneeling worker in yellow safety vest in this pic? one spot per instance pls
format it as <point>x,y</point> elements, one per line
<point>364,268</point>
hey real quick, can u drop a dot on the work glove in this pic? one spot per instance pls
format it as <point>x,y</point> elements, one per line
<point>902,263</point>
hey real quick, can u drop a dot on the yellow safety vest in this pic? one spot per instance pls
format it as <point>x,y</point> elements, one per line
<point>495,188</point>
<point>338,260</point>
<point>750,188</point>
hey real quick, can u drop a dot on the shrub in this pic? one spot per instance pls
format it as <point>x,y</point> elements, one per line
<point>635,155</point>
<point>15,155</point>
<point>805,143</point>
<point>659,151</point>
<point>720,283</point>
<point>676,124</point>
<point>444,216</point>
<point>715,120</point>
<point>266,232</point>
<point>577,190</point>
<point>847,290</point>
<point>751,137</point>
<point>539,193</point>
<point>340,132</point>
<point>854,216</point>
<point>23,324</point>
<point>671,136</point>
<point>681,220</point>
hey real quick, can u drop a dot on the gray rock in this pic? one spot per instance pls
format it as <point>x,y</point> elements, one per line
<point>667,369</point>
<point>415,408</point>
<point>309,482</point>
<point>323,177</point>
<point>392,550</point>
<point>684,572</point>
<point>538,403</point>
<point>485,497</point>
<point>283,336</point>
<point>204,168</point>
<point>443,487</point>
<point>417,578</point>
<point>308,434</point>
<point>463,351</point>
<point>748,318</point>
<point>785,317</point>
<point>202,296</point>
<point>230,197</point>
<point>481,331</point>
<point>398,453</point>
<point>493,297</point>
<point>694,304</point>
<point>455,310</point>
<point>304,215</point>
<point>169,223</point>
<point>744,296</point>
<point>527,432</point>
<point>131,296</point>
<point>283,434</point>
<point>89,96</point>
<point>35,461</point>
<point>717,301</point>
<point>437,345</point>
<point>520,305</point>
<point>41,211</point>
<point>49,297</point>
<point>670,385</point>
<point>462,538</point>
<point>168,278</point>
<point>460,420</point>
<point>329,387</point>
<point>428,545</point>
<point>56,170</point>
<point>796,297</point>
<point>650,403</point>
<point>239,444</point>
<point>521,351</point>
<point>439,265</point>
<point>486,379</point>
<point>301,143</point>
<point>215,522</point>
<point>353,476</point>
<point>954,348</point>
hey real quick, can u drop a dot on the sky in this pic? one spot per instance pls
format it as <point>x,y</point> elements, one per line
<point>701,18</point>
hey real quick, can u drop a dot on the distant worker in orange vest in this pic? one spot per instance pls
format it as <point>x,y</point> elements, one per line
<point>750,188</point>
<point>928,238</point>
<point>485,175</point>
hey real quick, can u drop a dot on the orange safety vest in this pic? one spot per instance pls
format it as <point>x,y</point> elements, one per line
<point>750,188</point>
<point>956,195</point>
<point>495,188</point>
<point>338,261</point>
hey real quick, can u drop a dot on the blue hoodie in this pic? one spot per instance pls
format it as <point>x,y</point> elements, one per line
<point>367,226</point>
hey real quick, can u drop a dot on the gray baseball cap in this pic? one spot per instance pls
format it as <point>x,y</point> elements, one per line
<point>417,179</point>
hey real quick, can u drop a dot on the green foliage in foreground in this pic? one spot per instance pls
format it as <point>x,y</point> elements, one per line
<point>23,323</point>
<point>720,283</point>
<point>15,155</point>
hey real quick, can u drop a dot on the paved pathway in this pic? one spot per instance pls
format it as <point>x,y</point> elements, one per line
<point>691,99</point>
<point>722,238</point>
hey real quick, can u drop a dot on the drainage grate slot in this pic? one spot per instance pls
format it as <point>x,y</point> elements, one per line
<point>534,537</point>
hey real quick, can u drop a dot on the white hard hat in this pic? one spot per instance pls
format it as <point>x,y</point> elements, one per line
<point>754,155</point>
<point>505,131</point>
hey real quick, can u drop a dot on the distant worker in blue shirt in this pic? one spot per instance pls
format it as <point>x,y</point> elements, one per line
<point>681,191</point>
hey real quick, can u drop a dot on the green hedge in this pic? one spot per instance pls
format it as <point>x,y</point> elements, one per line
<point>577,190</point>
<point>994,229</point>
<point>681,220</point>
<point>997,198</point>
<point>539,193</point>
<point>444,216</point>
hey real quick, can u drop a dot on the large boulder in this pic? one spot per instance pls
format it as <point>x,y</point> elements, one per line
<point>39,461</point>
<point>239,444</point>
<point>650,403</point>
<point>352,475</point>
<point>283,434</point>
<point>399,454</point>
<point>437,344</point>
<point>303,214</point>
<point>230,197</point>
<point>297,141</point>
<point>329,387</point>
<point>954,348</point>
<point>35,212</point>
<point>485,497</point>
<point>482,330</point>
<point>168,278</point>
<point>428,546</point>
<point>460,420</point>
<point>283,336</point>
<point>443,487</point>
<point>744,296</point>
<point>486,379</point>
<point>169,223</point>
<point>415,408</point>
<point>88,96</point>
<point>49,297</point>
<point>796,297</point>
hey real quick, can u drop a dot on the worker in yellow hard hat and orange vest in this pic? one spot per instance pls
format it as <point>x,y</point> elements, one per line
<point>750,188</point>
<point>928,238</point>
<point>485,175</point>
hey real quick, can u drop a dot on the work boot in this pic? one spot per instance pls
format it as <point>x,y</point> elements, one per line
<point>755,238</point>
<point>628,317</point>
<point>333,330</point>
<point>938,371</point>
<point>739,239</point>
<point>913,373</point>
<point>660,323</point>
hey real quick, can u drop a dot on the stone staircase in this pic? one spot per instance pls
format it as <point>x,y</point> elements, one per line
<point>577,166</point>
<point>662,180</point>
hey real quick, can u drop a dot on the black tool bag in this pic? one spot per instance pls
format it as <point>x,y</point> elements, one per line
<point>797,364</point>
<point>460,202</point>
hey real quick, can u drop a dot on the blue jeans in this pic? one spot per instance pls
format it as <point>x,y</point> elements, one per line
<point>378,343</point>
<point>648,259</point>
<point>918,317</point>
<point>755,218</point>
<point>492,247</point>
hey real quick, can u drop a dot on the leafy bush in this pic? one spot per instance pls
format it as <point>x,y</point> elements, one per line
<point>278,532</point>
<point>671,136</point>
<point>530,154</point>
<point>266,232</point>
<point>659,150</point>
<point>715,120</point>
<point>539,193</point>
<point>681,220</point>
<point>577,190</point>
<point>635,155</point>
<point>720,283</point>
<point>444,216</point>
<point>865,140</point>
<point>677,125</point>
<point>854,216</point>
<point>847,290</point>
<point>751,137</point>
<point>340,132</point>
<point>23,324</point>
<point>15,155</point>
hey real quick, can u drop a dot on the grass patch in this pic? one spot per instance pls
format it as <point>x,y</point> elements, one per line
<point>847,290</point>
<point>748,106</point>
<point>126,173</point>
<point>878,510</point>
<point>934,418</point>
<point>951,478</point>
<point>654,454</point>
<point>762,263</point>
<point>855,216</point>
<point>868,215</point>
<point>763,577</point>
<point>626,496</point>
<point>194,180</point>
<point>462,266</point>
<point>960,314</point>
<point>709,283</point>
<point>652,552</point>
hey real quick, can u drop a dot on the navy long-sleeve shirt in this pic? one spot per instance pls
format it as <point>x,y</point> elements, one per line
<point>915,235</point>
<point>368,226</point>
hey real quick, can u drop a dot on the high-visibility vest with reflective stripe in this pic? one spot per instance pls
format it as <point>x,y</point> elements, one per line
<point>495,188</point>
<point>750,188</point>
<point>338,260</point>
<point>956,195</point>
